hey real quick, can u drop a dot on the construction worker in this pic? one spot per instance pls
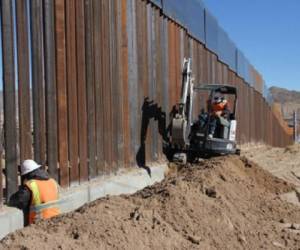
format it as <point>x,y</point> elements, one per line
<point>38,194</point>
<point>219,108</point>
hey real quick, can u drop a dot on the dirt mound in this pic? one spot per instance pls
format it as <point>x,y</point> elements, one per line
<point>222,203</point>
<point>281,162</point>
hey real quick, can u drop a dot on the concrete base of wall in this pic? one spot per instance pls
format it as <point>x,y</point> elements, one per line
<point>124,182</point>
<point>11,219</point>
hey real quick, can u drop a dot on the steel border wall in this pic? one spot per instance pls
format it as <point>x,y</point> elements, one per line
<point>104,79</point>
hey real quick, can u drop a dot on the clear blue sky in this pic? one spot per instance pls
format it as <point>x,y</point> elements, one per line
<point>268,32</point>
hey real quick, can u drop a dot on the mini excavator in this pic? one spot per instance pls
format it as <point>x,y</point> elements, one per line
<point>190,138</point>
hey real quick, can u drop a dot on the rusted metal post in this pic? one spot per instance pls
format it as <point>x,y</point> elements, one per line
<point>9,93</point>
<point>38,80</point>
<point>23,80</point>
<point>51,88</point>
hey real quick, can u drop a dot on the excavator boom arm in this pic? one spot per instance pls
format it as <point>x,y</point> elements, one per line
<point>181,124</point>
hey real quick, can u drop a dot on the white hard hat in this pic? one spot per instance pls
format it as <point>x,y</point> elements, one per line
<point>218,99</point>
<point>28,166</point>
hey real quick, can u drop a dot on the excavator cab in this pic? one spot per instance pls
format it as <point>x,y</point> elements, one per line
<point>214,132</point>
<point>200,129</point>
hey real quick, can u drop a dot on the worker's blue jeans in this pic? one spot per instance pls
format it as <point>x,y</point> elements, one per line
<point>212,125</point>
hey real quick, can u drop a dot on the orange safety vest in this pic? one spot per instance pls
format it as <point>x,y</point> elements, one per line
<point>44,201</point>
<point>216,107</point>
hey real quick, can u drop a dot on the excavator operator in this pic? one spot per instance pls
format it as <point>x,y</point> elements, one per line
<point>219,109</point>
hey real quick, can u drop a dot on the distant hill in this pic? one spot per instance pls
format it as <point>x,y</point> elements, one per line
<point>289,101</point>
<point>285,96</point>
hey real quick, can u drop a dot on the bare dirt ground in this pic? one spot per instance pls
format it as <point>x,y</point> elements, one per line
<point>222,203</point>
<point>281,162</point>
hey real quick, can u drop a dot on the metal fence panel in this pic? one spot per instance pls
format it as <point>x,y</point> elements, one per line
<point>174,9</point>
<point>190,15</point>
<point>258,83</point>
<point>270,99</point>
<point>158,3</point>
<point>264,94</point>
<point>247,71</point>
<point>222,46</point>
<point>194,19</point>
<point>241,64</point>
<point>226,49</point>
<point>211,32</point>
<point>252,78</point>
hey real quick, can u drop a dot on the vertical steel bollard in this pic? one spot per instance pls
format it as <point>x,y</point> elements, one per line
<point>295,126</point>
